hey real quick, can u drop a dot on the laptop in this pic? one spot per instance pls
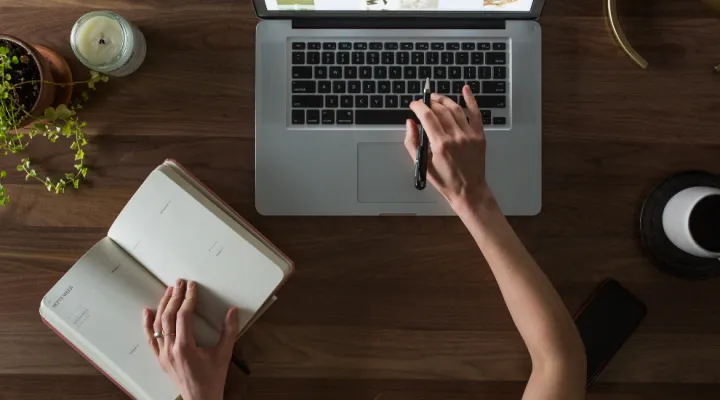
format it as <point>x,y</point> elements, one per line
<point>334,79</point>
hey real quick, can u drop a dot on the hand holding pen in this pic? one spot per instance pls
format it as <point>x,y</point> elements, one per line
<point>421,156</point>
<point>456,163</point>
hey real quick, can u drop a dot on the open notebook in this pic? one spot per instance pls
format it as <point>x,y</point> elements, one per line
<point>172,228</point>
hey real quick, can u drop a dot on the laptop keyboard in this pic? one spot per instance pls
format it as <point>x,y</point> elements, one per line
<point>373,83</point>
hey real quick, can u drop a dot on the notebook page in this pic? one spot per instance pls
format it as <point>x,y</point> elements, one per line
<point>176,233</point>
<point>100,302</point>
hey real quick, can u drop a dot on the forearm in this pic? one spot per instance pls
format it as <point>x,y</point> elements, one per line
<point>535,306</point>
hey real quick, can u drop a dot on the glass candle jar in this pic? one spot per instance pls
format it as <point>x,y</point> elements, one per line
<point>106,42</point>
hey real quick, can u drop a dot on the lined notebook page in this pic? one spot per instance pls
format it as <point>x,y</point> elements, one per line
<point>175,232</point>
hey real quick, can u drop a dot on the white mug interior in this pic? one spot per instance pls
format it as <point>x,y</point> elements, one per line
<point>676,220</point>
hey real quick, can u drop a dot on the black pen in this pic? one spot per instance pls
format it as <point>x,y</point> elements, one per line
<point>421,158</point>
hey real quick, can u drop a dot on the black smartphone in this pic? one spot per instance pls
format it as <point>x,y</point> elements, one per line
<point>606,321</point>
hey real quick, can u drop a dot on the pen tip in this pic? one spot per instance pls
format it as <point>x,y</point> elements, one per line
<point>427,84</point>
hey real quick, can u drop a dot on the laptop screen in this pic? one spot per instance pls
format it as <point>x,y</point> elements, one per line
<point>505,6</point>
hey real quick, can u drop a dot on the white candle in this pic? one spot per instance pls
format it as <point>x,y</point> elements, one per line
<point>108,43</point>
<point>100,39</point>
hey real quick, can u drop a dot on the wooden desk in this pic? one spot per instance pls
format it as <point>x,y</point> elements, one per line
<point>386,308</point>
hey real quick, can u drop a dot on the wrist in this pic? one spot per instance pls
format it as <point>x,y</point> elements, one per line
<point>474,203</point>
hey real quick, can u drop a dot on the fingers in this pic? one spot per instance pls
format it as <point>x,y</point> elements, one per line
<point>185,319</point>
<point>149,332</point>
<point>474,114</point>
<point>429,121</point>
<point>157,325</point>
<point>231,329</point>
<point>455,110</point>
<point>412,138</point>
<point>169,316</point>
<point>445,117</point>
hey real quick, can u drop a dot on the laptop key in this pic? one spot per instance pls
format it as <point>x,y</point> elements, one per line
<point>346,101</point>
<point>455,72</point>
<point>298,46</point>
<point>417,58</point>
<point>365,72</point>
<point>410,73</point>
<point>328,57</point>
<point>484,73</point>
<point>344,117</point>
<point>469,72</point>
<point>329,46</point>
<point>321,72</point>
<point>358,57</point>
<point>313,57</point>
<point>414,87</point>
<point>499,73</point>
<point>313,117</point>
<point>351,72</point>
<point>302,72</point>
<point>307,101</point>
<point>391,46</point>
<point>425,72</point>
<point>499,46</point>
<point>376,46</point>
<point>395,72</point>
<point>298,57</point>
<point>452,97</point>
<point>304,86</point>
<point>405,101</point>
<point>443,87</point>
<point>331,101</point>
<point>406,46</point>
<point>447,58</point>
<point>388,57</point>
<point>491,101</point>
<point>433,58</point>
<point>422,46</point>
<point>384,87</point>
<point>477,58</point>
<point>369,87</point>
<point>345,46</point>
<point>376,101</point>
<point>324,87</point>
<point>335,72</point>
<point>383,117</point>
<point>486,121</point>
<point>496,58</point>
<point>486,113</point>
<point>328,117</point>
<point>298,117</point>
<point>468,46</point>
<point>361,101</point>
<point>499,121</point>
<point>391,101</point>
<point>354,87</point>
<point>462,58</point>
<point>343,57</point>
<point>452,46</point>
<point>360,46</point>
<point>314,46</point>
<point>403,58</point>
<point>474,86</point>
<point>457,86</point>
<point>380,72</point>
<point>338,86</point>
<point>399,87</point>
<point>373,58</point>
<point>494,87</point>
<point>437,46</point>
<point>483,46</point>
<point>440,72</point>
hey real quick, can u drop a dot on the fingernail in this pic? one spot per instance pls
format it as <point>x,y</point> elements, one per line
<point>191,285</point>
<point>146,312</point>
<point>179,283</point>
<point>169,289</point>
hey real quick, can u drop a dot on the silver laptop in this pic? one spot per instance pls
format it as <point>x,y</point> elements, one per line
<point>334,79</point>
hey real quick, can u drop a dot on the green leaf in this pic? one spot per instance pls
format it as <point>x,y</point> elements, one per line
<point>15,60</point>
<point>19,168</point>
<point>27,177</point>
<point>8,76</point>
<point>39,126</point>
<point>76,184</point>
<point>62,112</point>
<point>4,50</point>
<point>80,155</point>
<point>78,166</point>
<point>74,146</point>
<point>50,114</point>
<point>84,172</point>
<point>3,174</point>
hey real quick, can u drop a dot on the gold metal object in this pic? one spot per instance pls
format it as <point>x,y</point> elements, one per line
<point>611,14</point>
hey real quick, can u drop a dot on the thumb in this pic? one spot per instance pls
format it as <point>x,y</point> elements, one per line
<point>412,138</point>
<point>231,328</point>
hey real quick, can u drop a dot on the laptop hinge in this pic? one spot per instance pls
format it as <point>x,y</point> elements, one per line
<point>397,23</point>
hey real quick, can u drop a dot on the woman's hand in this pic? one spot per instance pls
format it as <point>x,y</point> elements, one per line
<point>457,147</point>
<point>199,373</point>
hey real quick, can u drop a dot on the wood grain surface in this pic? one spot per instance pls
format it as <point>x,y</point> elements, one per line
<point>385,308</point>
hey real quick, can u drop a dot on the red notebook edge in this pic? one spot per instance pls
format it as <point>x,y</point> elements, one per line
<point>102,371</point>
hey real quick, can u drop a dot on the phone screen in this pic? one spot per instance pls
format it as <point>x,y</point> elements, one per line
<point>605,322</point>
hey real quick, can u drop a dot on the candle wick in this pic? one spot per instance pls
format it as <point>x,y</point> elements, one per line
<point>102,41</point>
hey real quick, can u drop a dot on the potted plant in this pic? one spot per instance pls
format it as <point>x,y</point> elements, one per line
<point>28,90</point>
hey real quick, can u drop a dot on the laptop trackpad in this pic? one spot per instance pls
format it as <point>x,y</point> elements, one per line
<point>385,175</point>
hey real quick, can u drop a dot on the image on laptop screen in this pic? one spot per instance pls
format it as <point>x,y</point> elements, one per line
<point>401,5</point>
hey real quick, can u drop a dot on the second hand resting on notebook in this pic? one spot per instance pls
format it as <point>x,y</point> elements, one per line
<point>457,169</point>
<point>199,373</point>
